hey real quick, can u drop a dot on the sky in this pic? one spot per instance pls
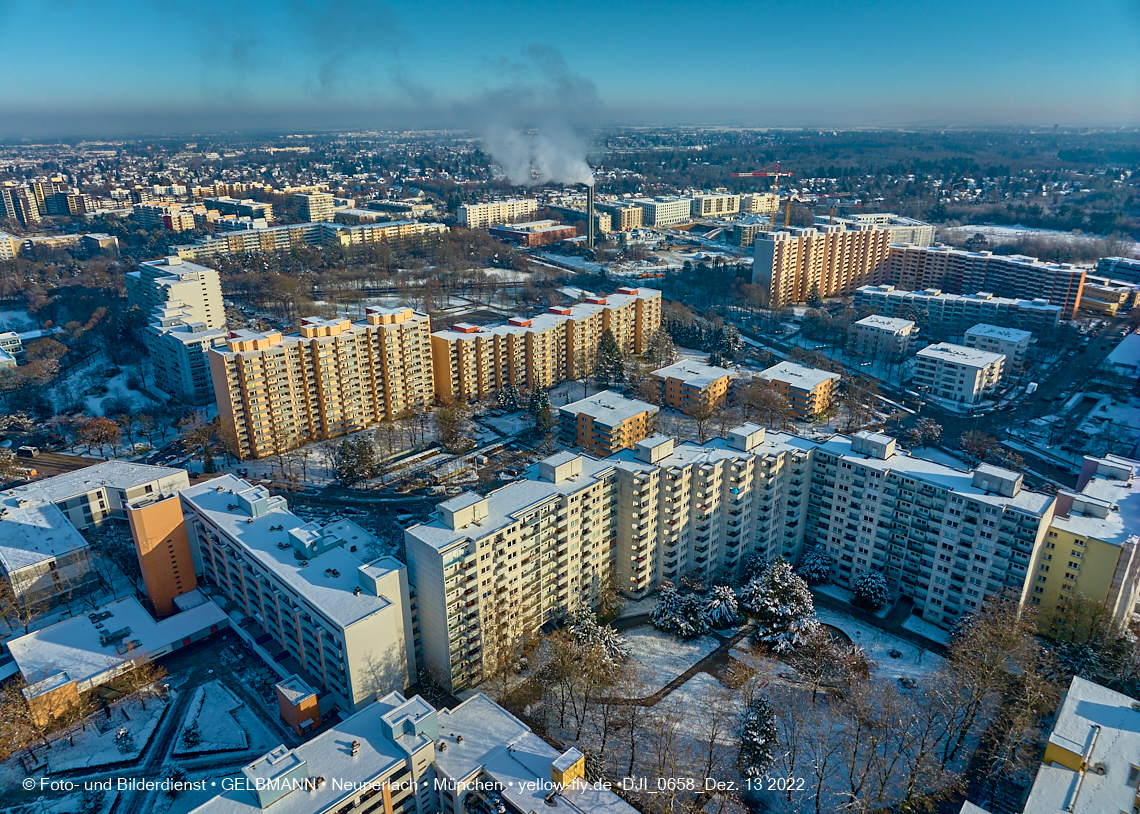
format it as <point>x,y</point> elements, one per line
<point>80,67</point>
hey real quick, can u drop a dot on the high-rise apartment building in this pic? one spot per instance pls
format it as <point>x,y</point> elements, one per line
<point>1011,343</point>
<point>179,350</point>
<point>480,216</point>
<point>952,314</point>
<point>169,216</point>
<point>957,374</point>
<point>793,264</point>
<point>335,377</point>
<point>472,362</point>
<point>1119,268</point>
<point>879,336</point>
<point>245,208</point>
<point>489,569</point>
<point>715,205</point>
<point>339,616</point>
<point>315,206</point>
<point>759,203</point>
<point>664,210</point>
<point>901,229</point>
<point>197,288</point>
<point>1093,545</point>
<point>285,238</point>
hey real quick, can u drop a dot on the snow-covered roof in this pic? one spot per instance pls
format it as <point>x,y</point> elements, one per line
<point>798,376</point>
<point>1102,727</point>
<point>998,332</point>
<point>1117,499</point>
<point>33,533</point>
<point>73,645</point>
<point>121,475</point>
<point>327,581</point>
<point>1126,354</point>
<point>693,373</point>
<point>950,353</point>
<point>890,324</point>
<point>608,408</point>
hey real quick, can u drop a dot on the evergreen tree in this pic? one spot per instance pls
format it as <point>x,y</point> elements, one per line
<point>597,640</point>
<point>681,615</point>
<point>661,351</point>
<point>871,590</point>
<point>814,300</point>
<point>508,398</point>
<point>609,367</point>
<point>815,566</point>
<point>355,459</point>
<point>721,609</point>
<point>757,738</point>
<point>540,412</point>
<point>752,566</point>
<point>782,606</point>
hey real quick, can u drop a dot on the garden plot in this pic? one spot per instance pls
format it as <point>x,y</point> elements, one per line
<point>662,657</point>
<point>915,662</point>
<point>99,746</point>
<point>210,725</point>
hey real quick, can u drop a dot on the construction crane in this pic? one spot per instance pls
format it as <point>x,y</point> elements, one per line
<point>766,172</point>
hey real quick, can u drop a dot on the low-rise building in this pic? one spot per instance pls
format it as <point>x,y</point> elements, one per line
<point>606,422</point>
<point>340,616</point>
<point>534,233</point>
<point>7,360</point>
<point>1093,545</point>
<point>957,374</point>
<point>43,558</point>
<point>664,210</point>
<point>1011,343</point>
<point>881,337</point>
<point>809,391</point>
<point>1124,360</point>
<point>690,386</point>
<point>1119,268</point>
<point>951,314</point>
<point>1102,295</point>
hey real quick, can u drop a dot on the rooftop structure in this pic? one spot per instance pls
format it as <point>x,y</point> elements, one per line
<point>689,385</point>
<point>960,355</point>
<point>1011,343</point>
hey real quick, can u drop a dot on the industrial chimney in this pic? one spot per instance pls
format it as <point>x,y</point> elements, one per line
<point>590,216</point>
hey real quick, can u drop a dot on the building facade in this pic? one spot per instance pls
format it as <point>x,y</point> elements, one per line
<point>715,205</point>
<point>952,314</point>
<point>315,206</point>
<point>881,337</point>
<point>1119,268</point>
<point>957,374</point>
<point>664,210</point>
<point>827,260</point>
<point>1011,343</point>
<point>606,422</point>
<point>691,386</point>
<point>179,351</point>
<point>335,377</point>
<point>480,216</point>
<point>285,238</point>
<point>196,288</point>
<point>623,216</point>
<point>902,230</point>
<point>808,390</point>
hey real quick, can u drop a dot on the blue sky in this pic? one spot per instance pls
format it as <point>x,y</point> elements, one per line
<point>79,66</point>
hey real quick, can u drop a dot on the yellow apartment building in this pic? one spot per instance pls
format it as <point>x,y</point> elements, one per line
<point>606,422</point>
<point>688,386</point>
<point>809,391</point>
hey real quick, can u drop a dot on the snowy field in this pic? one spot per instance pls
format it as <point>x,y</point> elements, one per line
<point>95,748</point>
<point>914,662</point>
<point>514,423</point>
<point>1008,234</point>
<point>639,606</point>
<point>18,321</point>
<point>662,657</point>
<point>212,707</point>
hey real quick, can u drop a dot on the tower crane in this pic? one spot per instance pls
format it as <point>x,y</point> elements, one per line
<point>766,172</point>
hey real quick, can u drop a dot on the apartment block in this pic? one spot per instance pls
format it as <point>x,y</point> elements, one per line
<point>315,206</point>
<point>603,223</point>
<point>827,260</point>
<point>1011,343</point>
<point>808,390</point>
<point>337,616</point>
<point>534,233</point>
<point>881,337</point>
<point>480,216</point>
<point>244,208</point>
<point>9,247</point>
<point>690,386</point>
<point>285,238</point>
<point>957,271</point>
<point>623,216</point>
<point>172,217</point>
<point>172,279</point>
<point>664,210</point>
<point>759,203</point>
<point>902,230</point>
<point>471,362</point>
<point>179,351</point>
<point>334,377</point>
<point>1092,548</point>
<point>715,205</point>
<point>606,422</point>
<point>957,374</point>
<point>1101,295</point>
<point>489,570</point>
<point>1119,268</point>
<point>952,314</point>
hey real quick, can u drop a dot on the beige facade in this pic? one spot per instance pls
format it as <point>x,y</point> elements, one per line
<point>690,386</point>
<point>605,422</point>
<point>664,210</point>
<point>480,216</point>
<point>315,206</point>
<point>471,362</point>
<point>276,392</point>
<point>623,216</point>
<point>197,289</point>
<point>1011,343</point>
<point>285,238</point>
<point>827,260</point>
<point>759,203</point>
<point>715,205</point>
<point>880,337</point>
<point>809,391</point>
<point>957,374</point>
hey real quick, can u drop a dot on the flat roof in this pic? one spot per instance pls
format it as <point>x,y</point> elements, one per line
<point>332,595</point>
<point>892,324</point>
<point>1127,353</point>
<point>692,372</point>
<point>960,355</point>
<point>609,408</point>
<point>109,474</point>
<point>795,375</point>
<point>73,645</point>
<point>1123,518</point>
<point>33,533</point>
<point>998,332</point>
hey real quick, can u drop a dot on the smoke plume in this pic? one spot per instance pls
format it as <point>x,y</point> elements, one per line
<point>551,155</point>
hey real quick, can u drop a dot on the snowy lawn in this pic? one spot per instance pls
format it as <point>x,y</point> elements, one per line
<point>841,593</point>
<point>914,662</point>
<point>662,657</point>
<point>514,423</point>
<point>916,624</point>
<point>93,748</point>
<point>636,607</point>
<point>212,708</point>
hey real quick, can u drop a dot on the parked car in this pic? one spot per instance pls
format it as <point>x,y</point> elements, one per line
<point>28,452</point>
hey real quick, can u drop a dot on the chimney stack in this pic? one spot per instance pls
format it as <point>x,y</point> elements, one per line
<point>590,216</point>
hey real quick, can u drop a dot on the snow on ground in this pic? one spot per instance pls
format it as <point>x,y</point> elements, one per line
<point>67,804</point>
<point>514,423</point>
<point>638,606</point>
<point>570,392</point>
<point>662,657</point>
<point>93,748</point>
<point>939,457</point>
<point>915,661</point>
<point>18,321</point>
<point>213,707</point>
<point>1008,234</point>
<point>916,624</point>
<point>845,595</point>
<point>116,389</point>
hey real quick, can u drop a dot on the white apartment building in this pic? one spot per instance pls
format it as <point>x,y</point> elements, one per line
<point>315,206</point>
<point>715,205</point>
<point>951,314</point>
<point>480,216</point>
<point>881,336</point>
<point>759,203</point>
<point>179,353</point>
<point>958,374</point>
<point>664,210</point>
<point>341,614</point>
<point>1012,343</point>
<point>172,279</point>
